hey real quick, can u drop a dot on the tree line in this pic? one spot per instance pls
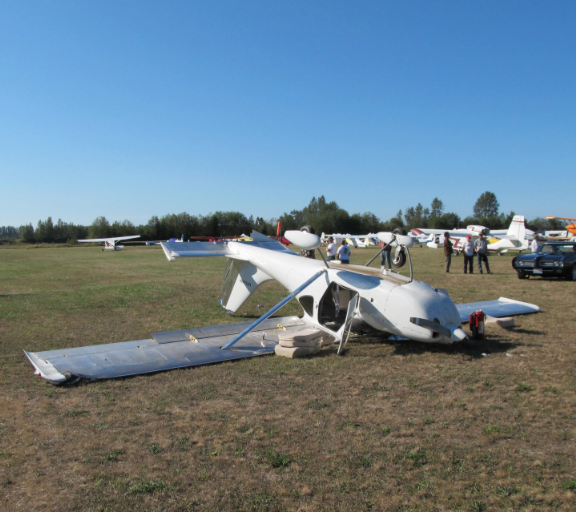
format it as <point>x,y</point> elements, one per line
<point>322,215</point>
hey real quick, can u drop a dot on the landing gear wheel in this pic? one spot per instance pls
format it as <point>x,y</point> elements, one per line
<point>399,259</point>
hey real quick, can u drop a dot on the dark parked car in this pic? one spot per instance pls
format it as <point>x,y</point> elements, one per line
<point>553,259</point>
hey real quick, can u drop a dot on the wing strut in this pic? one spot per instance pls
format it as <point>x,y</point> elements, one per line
<point>274,309</point>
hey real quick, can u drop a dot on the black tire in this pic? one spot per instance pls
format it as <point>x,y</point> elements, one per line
<point>399,260</point>
<point>308,229</point>
<point>571,276</point>
<point>522,275</point>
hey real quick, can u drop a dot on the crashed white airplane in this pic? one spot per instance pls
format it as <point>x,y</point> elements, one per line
<point>333,296</point>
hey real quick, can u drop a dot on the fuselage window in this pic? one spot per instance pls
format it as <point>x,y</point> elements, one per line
<point>307,303</point>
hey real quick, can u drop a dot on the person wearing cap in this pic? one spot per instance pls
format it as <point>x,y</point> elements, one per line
<point>331,250</point>
<point>448,250</point>
<point>481,248</point>
<point>468,252</point>
<point>343,253</point>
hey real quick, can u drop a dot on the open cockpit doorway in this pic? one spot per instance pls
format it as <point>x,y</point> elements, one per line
<point>334,306</point>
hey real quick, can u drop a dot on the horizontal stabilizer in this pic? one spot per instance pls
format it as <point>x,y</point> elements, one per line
<point>165,351</point>
<point>496,308</point>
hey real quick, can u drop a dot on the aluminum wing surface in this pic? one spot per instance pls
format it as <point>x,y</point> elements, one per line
<point>220,248</point>
<point>165,351</point>
<point>497,308</point>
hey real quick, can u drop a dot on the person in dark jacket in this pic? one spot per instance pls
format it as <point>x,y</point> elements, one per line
<point>385,255</point>
<point>447,250</point>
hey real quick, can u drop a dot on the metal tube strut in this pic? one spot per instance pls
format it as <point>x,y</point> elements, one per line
<point>377,254</point>
<point>273,310</point>
<point>410,261</point>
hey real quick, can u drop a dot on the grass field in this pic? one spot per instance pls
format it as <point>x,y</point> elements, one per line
<point>389,426</point>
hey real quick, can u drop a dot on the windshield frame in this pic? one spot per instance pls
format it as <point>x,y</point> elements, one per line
<point>557,249</point>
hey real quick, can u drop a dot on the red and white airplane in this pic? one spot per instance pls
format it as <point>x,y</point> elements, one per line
<point>110,243</point>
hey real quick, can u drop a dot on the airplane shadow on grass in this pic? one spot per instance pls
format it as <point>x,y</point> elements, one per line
<point>471,348</point>
<point>528,331</point>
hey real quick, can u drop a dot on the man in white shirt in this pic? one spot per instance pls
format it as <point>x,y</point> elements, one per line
<point>344,253</point>
<point>534,246</point>
<point>468,252</point>
<point>331,250</point>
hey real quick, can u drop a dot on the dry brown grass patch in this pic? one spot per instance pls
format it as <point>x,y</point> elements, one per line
<point>385,427</point>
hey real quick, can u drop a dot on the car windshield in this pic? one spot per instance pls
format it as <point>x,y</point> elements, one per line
<point>557,249</point>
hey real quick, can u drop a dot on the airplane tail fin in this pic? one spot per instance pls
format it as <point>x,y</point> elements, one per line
<point>241,280</point>
<point>517,228</point>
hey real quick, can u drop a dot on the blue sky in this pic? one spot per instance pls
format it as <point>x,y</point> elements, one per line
<point>130,109</point>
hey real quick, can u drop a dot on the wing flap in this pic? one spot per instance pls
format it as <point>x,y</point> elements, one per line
<point>497,308</point>
<point>153,355</point>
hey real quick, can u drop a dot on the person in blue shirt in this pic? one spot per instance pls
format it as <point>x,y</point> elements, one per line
<point>343,253</point>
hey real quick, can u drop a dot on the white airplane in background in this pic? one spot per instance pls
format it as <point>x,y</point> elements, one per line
<point>422,239</point>
<point>335,299</point>
<point>515,238</point>
<point>354,240</point>
<point>110,243</point>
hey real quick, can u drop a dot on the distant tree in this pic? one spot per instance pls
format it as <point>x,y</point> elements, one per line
<point>124,228</point>
<point>8,232</point>
<point>323,216</point>
<point>542,224</point>
<point>409,216</point>
<point>393,223</point>
<point>369,223</point>
<point>416,217</point>
<point>27,234</point>
<point>486,206</point>
<point>152,228</point>
<point>448,221</point>
<point>436,208</point>
<point>100,228</point>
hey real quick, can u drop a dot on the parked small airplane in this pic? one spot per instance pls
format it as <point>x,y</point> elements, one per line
<point>334,297</point>
<point>110,243</point>
<point>570,228</point>
<point>515,238</point>
<point>353,240</point>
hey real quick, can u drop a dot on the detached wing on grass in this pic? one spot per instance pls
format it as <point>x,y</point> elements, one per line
<point>164,351</point>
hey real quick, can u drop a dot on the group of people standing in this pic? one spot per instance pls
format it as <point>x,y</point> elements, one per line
<point>342,253</point>
<point>469,248</point>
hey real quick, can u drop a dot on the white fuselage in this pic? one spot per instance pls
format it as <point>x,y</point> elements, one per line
<point>387,301</point>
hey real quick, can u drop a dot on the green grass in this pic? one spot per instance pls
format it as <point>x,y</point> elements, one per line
<point>388,426</point>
